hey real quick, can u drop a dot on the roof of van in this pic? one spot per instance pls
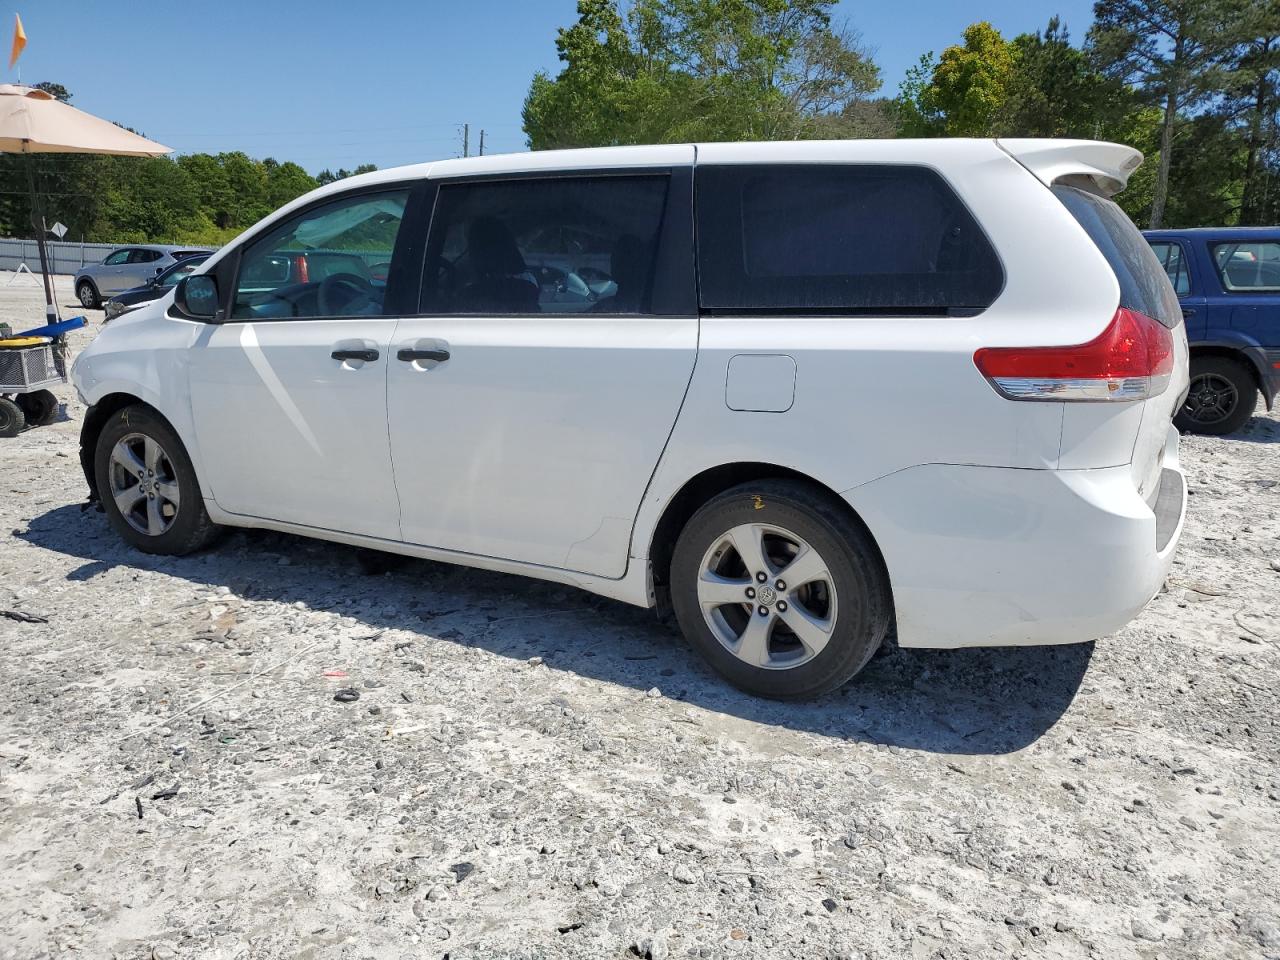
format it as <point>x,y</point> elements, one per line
<point>1107,164</point>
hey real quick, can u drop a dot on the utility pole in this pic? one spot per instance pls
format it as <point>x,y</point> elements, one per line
<point>482,143</point>
<point>466,139</point>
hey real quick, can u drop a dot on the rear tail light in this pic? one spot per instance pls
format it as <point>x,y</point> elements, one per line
<point>300,269</point>
<point>1130,360</point>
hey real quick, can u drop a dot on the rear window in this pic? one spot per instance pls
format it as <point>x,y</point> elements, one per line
<point>850,238</point>
<point>1248,267</point>
<point>1144,285</point>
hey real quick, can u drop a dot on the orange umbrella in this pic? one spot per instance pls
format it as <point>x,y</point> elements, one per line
<point>32,121</point>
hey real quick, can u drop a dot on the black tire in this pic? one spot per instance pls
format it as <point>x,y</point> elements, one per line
<point>857,572</point>
<point>40,408</point>
<point>12,419</point>
<point>87,294</point>
<point>1222,397</point>
<point>190,527</point>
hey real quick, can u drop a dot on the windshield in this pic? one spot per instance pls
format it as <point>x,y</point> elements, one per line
<point>179,270</point>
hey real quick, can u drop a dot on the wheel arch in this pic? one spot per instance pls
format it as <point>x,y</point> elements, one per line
<point>95,419</point>
<point>1249,355</point>
<point>713,481</point>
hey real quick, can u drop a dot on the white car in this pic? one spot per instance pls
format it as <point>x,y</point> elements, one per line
<point>800,392</point>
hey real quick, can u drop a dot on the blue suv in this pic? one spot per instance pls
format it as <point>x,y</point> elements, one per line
<point>1228,280</point>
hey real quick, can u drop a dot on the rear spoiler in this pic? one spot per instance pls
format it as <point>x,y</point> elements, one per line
<point>1106,165</point>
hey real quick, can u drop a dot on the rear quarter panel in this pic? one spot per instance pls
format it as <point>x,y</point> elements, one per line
<point>874,396</point>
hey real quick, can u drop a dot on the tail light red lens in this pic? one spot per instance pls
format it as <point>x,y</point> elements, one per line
<point>300,269</point>
<point>1132,359</point>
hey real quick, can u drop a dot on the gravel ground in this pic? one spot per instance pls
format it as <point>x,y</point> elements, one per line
<point>521,770</point>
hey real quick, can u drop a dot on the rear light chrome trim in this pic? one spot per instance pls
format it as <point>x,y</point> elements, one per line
<point>1086,390</point>
<point>1132,359</point>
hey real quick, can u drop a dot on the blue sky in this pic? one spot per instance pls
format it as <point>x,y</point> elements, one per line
<point>334,84</point>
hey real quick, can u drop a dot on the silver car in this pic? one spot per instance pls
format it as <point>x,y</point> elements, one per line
<point>126,268</point>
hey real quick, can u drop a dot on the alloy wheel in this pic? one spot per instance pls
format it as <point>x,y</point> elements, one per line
<point>144,484</point>
<point>768,596</point>
<point>1211,399</point>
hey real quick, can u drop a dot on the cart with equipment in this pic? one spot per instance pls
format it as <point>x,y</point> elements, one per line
<point>30,363</point>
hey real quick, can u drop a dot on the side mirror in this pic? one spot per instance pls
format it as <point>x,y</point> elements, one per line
<point>197,297</point>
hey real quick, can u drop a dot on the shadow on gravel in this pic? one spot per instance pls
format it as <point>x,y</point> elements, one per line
<point>959,701</point>
<point>1257,430</point>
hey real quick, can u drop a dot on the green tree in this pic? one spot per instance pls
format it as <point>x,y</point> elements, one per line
<point>1251,104</point>
<point>1171,52</point>
<point>246,189</point>
<point>917,114</point>
<point>56,89</point>
<point>212,188</point>
<point>1054,91</point>
<point>676,70</point>
<point>971,82</point>
<point>287,181</point>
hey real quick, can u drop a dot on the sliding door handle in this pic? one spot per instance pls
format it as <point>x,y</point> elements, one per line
<point>409,355</point>
<point>366,355</point>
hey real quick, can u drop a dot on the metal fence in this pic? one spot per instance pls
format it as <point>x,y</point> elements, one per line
<point>63,257</point>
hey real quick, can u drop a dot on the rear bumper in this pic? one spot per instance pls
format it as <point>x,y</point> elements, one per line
<point>990,556</point>
<point>1271,375</point>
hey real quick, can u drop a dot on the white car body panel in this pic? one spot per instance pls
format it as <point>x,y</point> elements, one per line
<point>289,434</point>
<point>535,441</point>
<point>551,446</point>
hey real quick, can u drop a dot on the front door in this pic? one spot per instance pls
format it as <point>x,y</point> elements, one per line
<point>289,393</point>
<point>113,275</point>
<point>1178,264</point>
<point>529,408</point>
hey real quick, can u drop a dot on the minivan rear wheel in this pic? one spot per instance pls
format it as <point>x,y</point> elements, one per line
<point>780,589</point>
<point>87,294</point>
<point>148,486</point>
<point>1221,397</point>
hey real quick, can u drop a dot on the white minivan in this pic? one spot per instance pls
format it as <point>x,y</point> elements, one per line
<point>798,393</point>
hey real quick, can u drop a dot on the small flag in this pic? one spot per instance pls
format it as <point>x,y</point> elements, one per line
<point>19,41</point>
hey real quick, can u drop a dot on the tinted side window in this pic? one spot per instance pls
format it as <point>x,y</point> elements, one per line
<point>117,258</point>
<point>1248,266</point>
<point>1175,265</point>
<point>330,261</point>
<point>839,238</point>
<point>144,256</point>
<point>1144,285</point>
<point>546,245</point>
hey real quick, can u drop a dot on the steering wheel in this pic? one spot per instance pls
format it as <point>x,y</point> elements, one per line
<point>339,291</point>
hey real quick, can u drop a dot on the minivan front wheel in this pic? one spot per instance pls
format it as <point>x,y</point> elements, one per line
<point>1220,399</point>
<point>780,590</point>
<point>148,486</point>
<point>87,294</point>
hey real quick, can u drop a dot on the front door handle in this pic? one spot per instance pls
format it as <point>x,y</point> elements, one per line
<point>366,355</point>
<point>1188,311</point>
<point>410,355</point>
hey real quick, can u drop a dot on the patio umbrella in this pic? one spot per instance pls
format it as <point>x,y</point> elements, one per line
<point>32,121</point>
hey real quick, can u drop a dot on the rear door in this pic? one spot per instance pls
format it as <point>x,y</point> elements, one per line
<point>140,268</point>
<point>288,394</point>
<point>1145,288</point>
<point>1249,271</point>
<point>530,402</point>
